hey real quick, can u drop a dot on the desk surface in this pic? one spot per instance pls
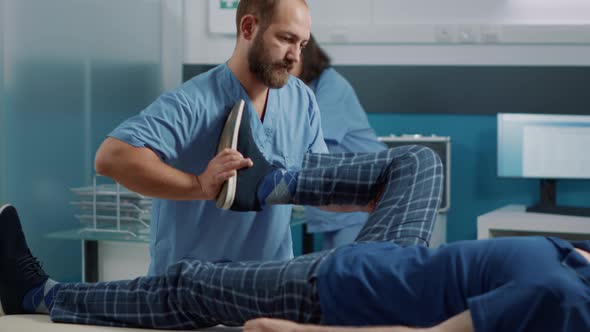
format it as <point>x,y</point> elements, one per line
<point>514,218</point>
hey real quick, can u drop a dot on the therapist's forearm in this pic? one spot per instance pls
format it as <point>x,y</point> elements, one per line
<point>140,170</point>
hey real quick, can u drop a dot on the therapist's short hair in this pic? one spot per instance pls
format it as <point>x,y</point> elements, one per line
<point>315,61</point>
<point>263,10</point>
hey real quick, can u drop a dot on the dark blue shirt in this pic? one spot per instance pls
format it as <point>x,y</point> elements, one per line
<point>509,284</point>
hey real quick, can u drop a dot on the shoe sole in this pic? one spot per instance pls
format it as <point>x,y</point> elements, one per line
<point>229,139</point>
<point>4,207</point>
<point>2,210</point>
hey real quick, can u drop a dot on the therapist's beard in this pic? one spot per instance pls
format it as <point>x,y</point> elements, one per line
<point>273,74</point>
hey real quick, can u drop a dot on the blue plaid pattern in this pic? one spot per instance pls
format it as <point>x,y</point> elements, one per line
<point>409,179</point>
<point>196,294</point>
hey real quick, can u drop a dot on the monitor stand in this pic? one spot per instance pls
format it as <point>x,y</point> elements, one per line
<point>548,204</point>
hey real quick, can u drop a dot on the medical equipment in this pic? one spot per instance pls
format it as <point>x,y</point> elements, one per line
<point>441,145</point>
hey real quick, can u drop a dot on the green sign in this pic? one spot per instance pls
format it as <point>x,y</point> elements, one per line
<point>228,4</point>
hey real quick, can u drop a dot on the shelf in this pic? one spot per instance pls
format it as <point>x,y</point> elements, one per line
<point>102,234</point>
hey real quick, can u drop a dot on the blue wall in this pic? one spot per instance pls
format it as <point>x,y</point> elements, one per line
<point>475,188</point>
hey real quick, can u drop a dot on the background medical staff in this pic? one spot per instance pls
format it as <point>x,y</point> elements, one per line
<point>346,129</point>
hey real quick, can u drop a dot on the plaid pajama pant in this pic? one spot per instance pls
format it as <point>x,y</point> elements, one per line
<point>195,294</point>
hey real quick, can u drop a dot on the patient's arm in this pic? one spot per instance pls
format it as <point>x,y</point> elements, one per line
<point>279,325</point>
<point>458,323</point>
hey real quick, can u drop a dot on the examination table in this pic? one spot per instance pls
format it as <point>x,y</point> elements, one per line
<point>42,323</point>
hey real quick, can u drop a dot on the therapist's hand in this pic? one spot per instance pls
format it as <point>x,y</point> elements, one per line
<point>222,167</point>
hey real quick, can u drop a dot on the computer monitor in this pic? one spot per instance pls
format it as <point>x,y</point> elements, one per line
<point>547,147</point>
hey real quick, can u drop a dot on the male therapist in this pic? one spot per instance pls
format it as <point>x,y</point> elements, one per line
<point>168,151</point>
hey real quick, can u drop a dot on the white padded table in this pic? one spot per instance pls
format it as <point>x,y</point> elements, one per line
<point>42,323</point>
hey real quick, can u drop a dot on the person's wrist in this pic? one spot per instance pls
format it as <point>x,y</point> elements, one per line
<point>197,188</point>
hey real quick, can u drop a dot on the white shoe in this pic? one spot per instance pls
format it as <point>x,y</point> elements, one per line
<point>229,139</point>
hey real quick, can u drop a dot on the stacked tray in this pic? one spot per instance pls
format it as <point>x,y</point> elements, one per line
<point>112,208</point>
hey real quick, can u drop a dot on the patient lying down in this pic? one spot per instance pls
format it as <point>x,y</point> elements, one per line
<point>388,280</point>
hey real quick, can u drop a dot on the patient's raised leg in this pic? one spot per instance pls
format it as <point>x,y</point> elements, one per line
<point>406,181</point>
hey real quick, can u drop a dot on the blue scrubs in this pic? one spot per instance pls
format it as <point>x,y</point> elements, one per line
<point>182,127</point>
<point>346,129</point>
<point>508,284</point>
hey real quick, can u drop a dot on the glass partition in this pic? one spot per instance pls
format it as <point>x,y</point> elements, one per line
<point>70,71</point>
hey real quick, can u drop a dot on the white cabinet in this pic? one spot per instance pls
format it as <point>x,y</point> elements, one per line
<point>513,220</point>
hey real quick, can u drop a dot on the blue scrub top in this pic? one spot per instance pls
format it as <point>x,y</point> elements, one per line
<point>182,127</point>
<point>346,129</point>
<point>508,284</point>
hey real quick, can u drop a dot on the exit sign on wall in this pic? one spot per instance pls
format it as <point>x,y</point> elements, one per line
<point>228,4</point>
